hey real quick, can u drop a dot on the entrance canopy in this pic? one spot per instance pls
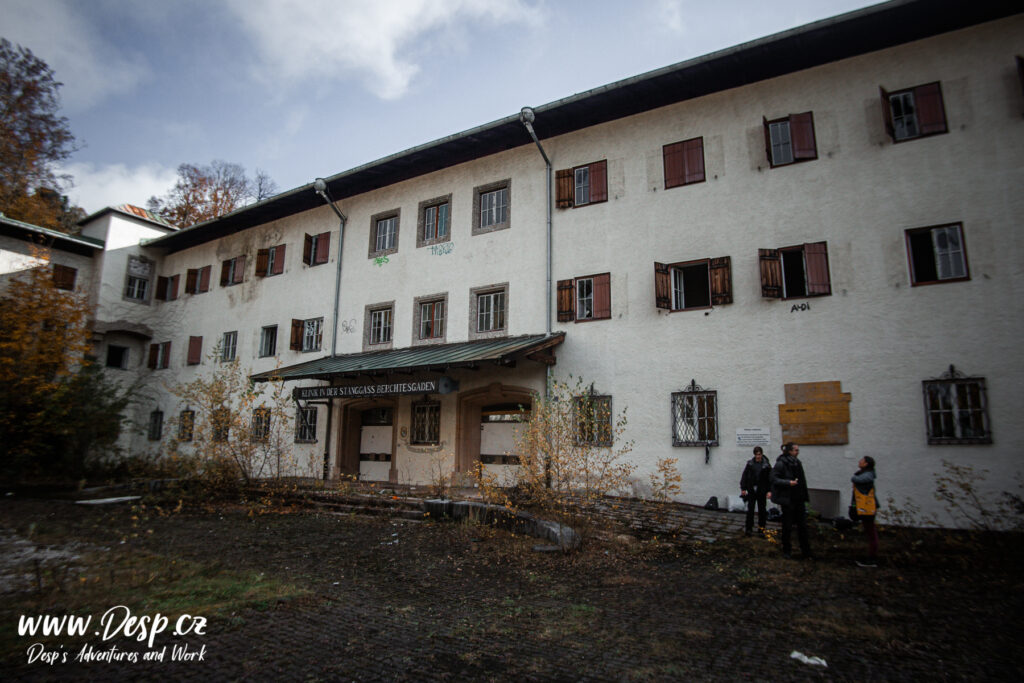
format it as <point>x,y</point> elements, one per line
<point>501,352</point>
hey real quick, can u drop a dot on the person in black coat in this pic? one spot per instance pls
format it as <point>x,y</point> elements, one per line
<point>789,491</point>
<point>755,485</point>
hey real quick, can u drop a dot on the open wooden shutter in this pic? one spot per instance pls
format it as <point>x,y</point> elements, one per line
<point>172,290</point>
<point>161,288</point>
<point>323,247</point>
<point>566,301</point>
<point>602,296</point>
<point>931,115</point>
<point>887,113</point>
<point>195,350</point>
<point>262,261</point>
<point>801,133</point>
<point>767,140</point>
<point>816,261</point>
<point>720,271</point>
<point>278,260</point>
<point>239,269</point>
<point>662,287</point>
<point>307,250</point>
<point>154,354</point>
<point>166,355</point>
<point>204,278</point>
<point>296,341</point>
<point>564,189</point>
<point>693,161</point>
<point>225,273</point>
<point>771,273</point>
<point>675,164</point>
<point>192,281</point>
<point>599,181</point>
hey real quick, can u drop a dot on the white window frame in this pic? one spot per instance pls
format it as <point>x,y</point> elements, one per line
<point>271,259</point>
<point>435,221</point>
<point>690,414</point>
<point>581,180</point>
<point>678,288</point>
<point>268,341</point>
<point>904,124</point>
<point>493,207</point>
<point>490,311</point>
<point>429,316</point>
<point>381,325</point>
<point>782,142</point>
<point>385,235</point>
<point>312,334</point>
<point>585,298</point>
<point>229,346</point>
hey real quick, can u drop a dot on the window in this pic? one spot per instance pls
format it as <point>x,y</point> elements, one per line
<point>426,423</point>
<point>316,249</point>
<point>585,298</point>
<point>490,311</point>
<point>195,350</point>
<point>790,139</point>
<point>117,356</point>
<point>693,284</point>
<point>167,288</point>
<point>64,277</point>
<point>937,254</point>
<point>305,431</point>
<point>268,341</point>
<point>228,346</point>
<point>384,233</point>
<point>260,424</point>
<point>220,419</point>
<point>956,409</point>
<point>197,280</point>
<point>582,185</point>
<point>307,334</point>
<point>913,113</point>
<point>156,425</point>
<point>431,321</point>
<point>684,162</point>
<point>186,425</point>
<point>232,271</point>
<point>695,417</point>
<point>492,207</point>
<point>380,325</point>
<point>799,271</point>
<point>159,355</point>
<point>270,261</point>
<point>435,221</point>
<point>136,286</point>
<point>593,415</point>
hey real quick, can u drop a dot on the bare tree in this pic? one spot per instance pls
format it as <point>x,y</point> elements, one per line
<point>203,193</point>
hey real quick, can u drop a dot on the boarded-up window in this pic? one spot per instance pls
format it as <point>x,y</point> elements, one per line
<point>195,350</point>
<point>64,277</point>
<point>684,162</point>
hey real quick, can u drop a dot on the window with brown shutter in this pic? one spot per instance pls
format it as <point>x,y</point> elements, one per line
<point>602,296</point>
<point>225,273</point>
<point>585,298</point>
<point>582,185</point>
<point>238,272</point>
<point>307,250</point>
<point>790,139</point>
<point>795,272</point>
<point>262,262</point>
<point>684,162</point>
<point>277,259</point>
<point>64,277</point>
<point>690,285</point>
<point>204,278</point>
<point>159,356</point>
<point>270,261</point>
<point>162,284</point>
<point>323,248</point>
<point>154,355</point>
<point>296,339</point>
<point>192,281</point>
<point>914,112</point>
<point>172,288</point>
<point>195,350</point>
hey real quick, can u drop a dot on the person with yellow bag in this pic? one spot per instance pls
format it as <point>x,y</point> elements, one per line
<point>865,504</point>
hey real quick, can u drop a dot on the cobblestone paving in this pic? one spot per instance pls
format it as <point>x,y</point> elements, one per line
<point>398,600</point>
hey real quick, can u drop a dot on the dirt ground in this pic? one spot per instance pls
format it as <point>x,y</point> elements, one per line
<point>350,597</point>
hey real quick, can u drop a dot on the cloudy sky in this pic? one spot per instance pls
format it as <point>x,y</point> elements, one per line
<point>312,88</point>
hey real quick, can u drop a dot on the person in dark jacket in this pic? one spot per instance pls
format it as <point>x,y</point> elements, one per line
<point>864,481</point>
<point>789,491</point>
<point>755,485</point>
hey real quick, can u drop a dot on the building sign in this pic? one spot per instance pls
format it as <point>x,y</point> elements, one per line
<point>815,413</point>
<point>441,385</point>
<point>753,436</point>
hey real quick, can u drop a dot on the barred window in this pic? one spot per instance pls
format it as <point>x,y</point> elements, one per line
<point>426,423</point>
<point>260,424</point>
<point>956,409</point>
<point>186,425</point>
<point>695,416</point>
<point>156,425</point>
<point>593,419</point>
<point>221,427</point>
<point>305,431</point>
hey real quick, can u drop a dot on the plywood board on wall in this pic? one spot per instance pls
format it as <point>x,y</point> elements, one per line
<point>816,413</point>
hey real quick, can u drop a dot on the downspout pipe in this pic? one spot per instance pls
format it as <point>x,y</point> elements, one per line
<point>527,116</point>
<point>320,186</point>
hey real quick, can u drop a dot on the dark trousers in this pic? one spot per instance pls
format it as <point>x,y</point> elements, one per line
<point>872,533</point>
<point>795,514</point>
<point>757,498</point>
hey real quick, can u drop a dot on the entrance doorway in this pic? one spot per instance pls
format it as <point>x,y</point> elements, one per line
<point>486,427</point>
<point>368,440</point>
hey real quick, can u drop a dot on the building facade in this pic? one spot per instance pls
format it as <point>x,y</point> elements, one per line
<point>809,238</point>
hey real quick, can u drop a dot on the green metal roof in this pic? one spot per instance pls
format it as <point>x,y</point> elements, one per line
<point>440,357</point>
<point>63,238</point>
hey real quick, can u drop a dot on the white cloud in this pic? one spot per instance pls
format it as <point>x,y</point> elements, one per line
<point>97,187</point>
<point>59,33</point>
<point>369,39</point>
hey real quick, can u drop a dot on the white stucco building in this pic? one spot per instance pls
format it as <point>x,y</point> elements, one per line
<point>811,237</point>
